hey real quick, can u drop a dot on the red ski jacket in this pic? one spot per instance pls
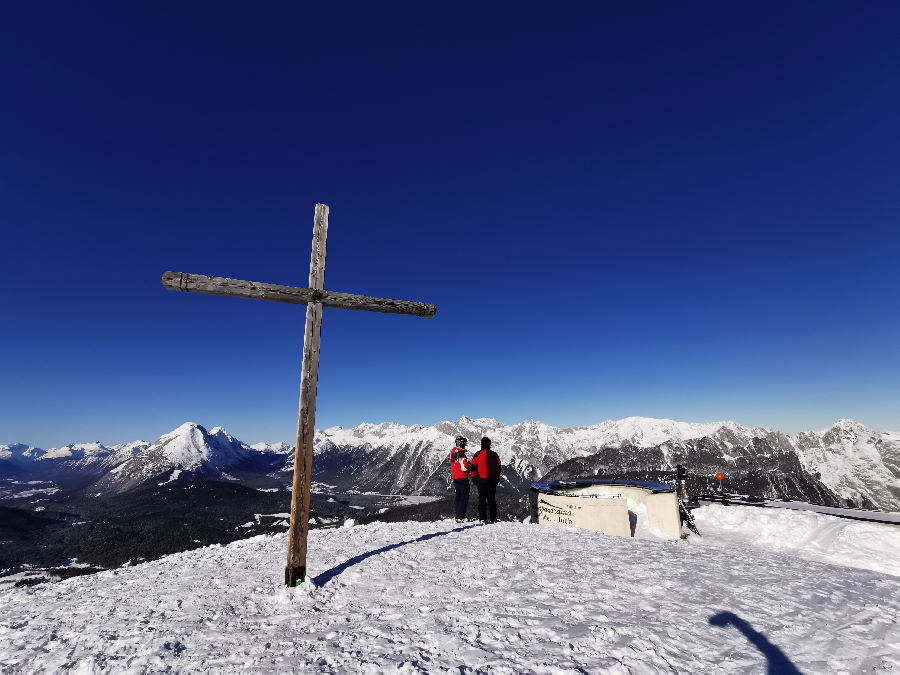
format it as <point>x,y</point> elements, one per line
<point>485,464</point>
<point>459,464</point>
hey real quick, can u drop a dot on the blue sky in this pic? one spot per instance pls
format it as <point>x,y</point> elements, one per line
<point>683,210</point>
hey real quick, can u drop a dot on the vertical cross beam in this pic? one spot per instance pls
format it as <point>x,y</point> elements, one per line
<point>295,572</point>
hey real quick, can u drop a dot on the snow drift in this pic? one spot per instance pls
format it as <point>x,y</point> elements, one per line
<point>809,535</point>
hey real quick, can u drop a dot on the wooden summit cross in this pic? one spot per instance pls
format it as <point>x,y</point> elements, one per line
<point>314,297</point>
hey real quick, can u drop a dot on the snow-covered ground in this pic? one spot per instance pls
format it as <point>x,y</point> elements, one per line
<point>814,536</point>
<point>437,596</point>
<point>859,514</point>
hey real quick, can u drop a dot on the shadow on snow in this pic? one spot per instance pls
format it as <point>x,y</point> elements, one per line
<point>328,575</point>
<point>779,664</point>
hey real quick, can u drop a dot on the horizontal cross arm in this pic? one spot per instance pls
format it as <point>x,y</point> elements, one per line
<point>200,283</point>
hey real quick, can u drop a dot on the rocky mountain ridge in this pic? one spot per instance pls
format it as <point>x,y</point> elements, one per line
<point>847,463</point>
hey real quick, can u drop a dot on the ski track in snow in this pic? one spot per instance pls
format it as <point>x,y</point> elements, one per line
<point>437,596</point>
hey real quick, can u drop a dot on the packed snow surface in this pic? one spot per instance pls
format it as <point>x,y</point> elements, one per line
<point>441,597</point>
<point>814,536</point>
<point>859,514</point>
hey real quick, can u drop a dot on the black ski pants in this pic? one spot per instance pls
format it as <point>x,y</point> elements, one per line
<point>487,498</point>
<point>462,496</point>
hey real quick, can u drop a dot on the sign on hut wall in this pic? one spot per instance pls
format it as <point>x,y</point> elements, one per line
<point>603,514</point>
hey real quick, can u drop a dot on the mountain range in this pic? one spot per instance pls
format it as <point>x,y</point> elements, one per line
<point>845,464</point>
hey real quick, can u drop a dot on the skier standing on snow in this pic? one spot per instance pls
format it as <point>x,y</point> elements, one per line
<point>486,474</point>
<point>459,472</point>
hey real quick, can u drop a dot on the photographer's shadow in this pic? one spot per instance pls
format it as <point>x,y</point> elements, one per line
<point>779,664</point>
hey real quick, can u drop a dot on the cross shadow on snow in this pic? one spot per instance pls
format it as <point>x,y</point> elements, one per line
<point>779,664</point>
<point>328,575</point>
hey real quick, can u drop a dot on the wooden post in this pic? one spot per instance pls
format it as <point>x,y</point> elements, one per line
<point>295,572</point>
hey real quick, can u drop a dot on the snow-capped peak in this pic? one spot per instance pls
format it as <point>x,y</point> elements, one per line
<point>191,445</point>
<point>76,451</point>
<point>847,426</point>
<point>19,451</point>
<point>187,448</point>
<point>279,448</point>
<point>648,431</point>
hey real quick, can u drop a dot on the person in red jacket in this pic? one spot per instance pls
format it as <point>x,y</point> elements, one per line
<point>486,474</point>
<point>459,472</point>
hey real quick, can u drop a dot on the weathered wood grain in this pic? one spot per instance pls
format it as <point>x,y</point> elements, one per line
<point>295,572</point>
<point>238,288</point>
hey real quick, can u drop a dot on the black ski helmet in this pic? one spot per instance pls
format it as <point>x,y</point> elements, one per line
<point>485,442</point>
<point>460,441</point>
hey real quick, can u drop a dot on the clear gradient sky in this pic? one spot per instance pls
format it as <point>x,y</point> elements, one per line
<point>669,209</point>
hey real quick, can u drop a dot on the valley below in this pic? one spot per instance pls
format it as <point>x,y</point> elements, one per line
<point>59,539</point>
